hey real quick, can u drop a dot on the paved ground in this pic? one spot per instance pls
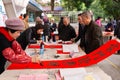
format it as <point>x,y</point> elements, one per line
<point>111,66</point>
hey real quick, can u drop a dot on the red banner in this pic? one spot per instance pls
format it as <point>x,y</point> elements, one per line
<point>94,57</point>
<point>45,46</point>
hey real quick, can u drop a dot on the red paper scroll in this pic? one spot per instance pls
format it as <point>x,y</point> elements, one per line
<point>60,51</point>
<point>45,46</point>
<point>94,57</point>
<point>34,46</point>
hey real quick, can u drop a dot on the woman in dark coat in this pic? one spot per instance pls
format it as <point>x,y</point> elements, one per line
<point>31,35</point>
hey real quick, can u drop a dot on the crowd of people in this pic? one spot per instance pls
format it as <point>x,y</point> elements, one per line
<point>15,37</point>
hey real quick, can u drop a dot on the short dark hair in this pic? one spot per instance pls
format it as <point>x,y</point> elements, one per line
<point>25,15</point>
<point>39,26</point>
<point>79,14</point>
<point>99,17</point>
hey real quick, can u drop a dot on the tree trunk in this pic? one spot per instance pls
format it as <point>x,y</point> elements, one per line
<point>52,5</point>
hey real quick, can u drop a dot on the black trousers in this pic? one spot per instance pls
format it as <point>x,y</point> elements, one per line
<point>2,64</point>
<point>2,70</point>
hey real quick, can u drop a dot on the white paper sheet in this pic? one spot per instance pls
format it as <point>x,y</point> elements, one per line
<point>88,76</point>
<point>72,71</point>
<point>70,48</point>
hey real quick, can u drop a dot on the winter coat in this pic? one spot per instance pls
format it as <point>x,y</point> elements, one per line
<point>53,27</point>
<point>80,32</point>
<point>109,27</point>
<point>46,29</point>
<point>92,38</point>
<point>10,50</point>
<point>117,30</point>
<point>28,36</point>
<point>66,33</point>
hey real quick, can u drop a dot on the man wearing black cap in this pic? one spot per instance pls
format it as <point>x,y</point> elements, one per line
<point>10,49</point>
<point>30,35</point>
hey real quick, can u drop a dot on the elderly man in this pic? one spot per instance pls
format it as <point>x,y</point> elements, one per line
<point>66,31</point>
<point>92,37</point>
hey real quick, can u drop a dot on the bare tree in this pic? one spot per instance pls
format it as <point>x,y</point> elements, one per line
<point>52,5</point>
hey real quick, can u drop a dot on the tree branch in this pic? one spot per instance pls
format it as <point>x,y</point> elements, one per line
<point>116,0</point>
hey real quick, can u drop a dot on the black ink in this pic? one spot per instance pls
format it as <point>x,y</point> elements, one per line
<point>53,64</point>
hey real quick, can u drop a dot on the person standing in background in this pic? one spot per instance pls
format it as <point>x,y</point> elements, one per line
<point>25,20</point>
<point>38,20</point>
<point>30,35</point>
<point>46,29</point>
<point>21,16</point>
<point>53,27</point>
<point>80,31</point>
<point>98,21</point>
<point>61,22</point>
<point>66,32</point>
<point>114,22</point>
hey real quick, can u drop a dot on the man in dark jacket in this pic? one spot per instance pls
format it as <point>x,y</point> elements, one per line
<point>80,31</point>
<point>92,38</point>
<point>66,32</point>
<point>30,35</point>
